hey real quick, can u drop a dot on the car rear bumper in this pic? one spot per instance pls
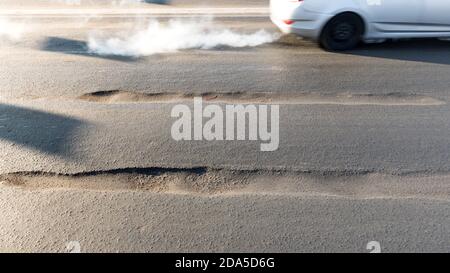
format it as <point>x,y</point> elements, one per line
<point>307,29</point>
<point>303,22</point>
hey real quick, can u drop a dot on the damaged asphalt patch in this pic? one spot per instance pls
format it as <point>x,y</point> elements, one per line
<point>391,99</point>
<point>208,181</point>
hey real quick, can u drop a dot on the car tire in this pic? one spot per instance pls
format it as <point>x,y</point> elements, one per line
<point>342,32</point>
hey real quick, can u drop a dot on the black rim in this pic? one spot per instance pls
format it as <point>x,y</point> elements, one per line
<point>343,32</point>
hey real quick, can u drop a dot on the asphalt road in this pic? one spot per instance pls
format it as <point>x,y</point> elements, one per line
<point>376,125</point>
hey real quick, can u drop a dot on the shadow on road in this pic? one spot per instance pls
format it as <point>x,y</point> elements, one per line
<point>76,47</point>
<point>45,132</point>
<point>420,50</point>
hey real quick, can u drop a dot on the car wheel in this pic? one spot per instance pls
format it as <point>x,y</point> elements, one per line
<point>343,32</point>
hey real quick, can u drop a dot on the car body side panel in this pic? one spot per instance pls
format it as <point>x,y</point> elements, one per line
<point>380,16</point>
<point>436,16</point>
<point>393,15</point>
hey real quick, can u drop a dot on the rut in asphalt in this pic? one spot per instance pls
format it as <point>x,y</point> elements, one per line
<point>208,181</point>
<point>120,96</point>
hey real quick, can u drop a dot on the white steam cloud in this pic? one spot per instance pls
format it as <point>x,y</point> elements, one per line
<point>11,30</point>
<point>68,2</point>
<point>173,36</point>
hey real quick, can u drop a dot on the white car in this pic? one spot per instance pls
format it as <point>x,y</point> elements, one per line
<point>342,24</point>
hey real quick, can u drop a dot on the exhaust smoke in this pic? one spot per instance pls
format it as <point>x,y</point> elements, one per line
<point>178,34</point>
<point>11,30</point>
<point>68,2</point>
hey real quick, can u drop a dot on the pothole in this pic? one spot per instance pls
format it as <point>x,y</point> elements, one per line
<point>391,99</point>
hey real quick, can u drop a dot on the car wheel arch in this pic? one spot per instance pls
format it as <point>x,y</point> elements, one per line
<point>326,39</point>
<point>357,14</point>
